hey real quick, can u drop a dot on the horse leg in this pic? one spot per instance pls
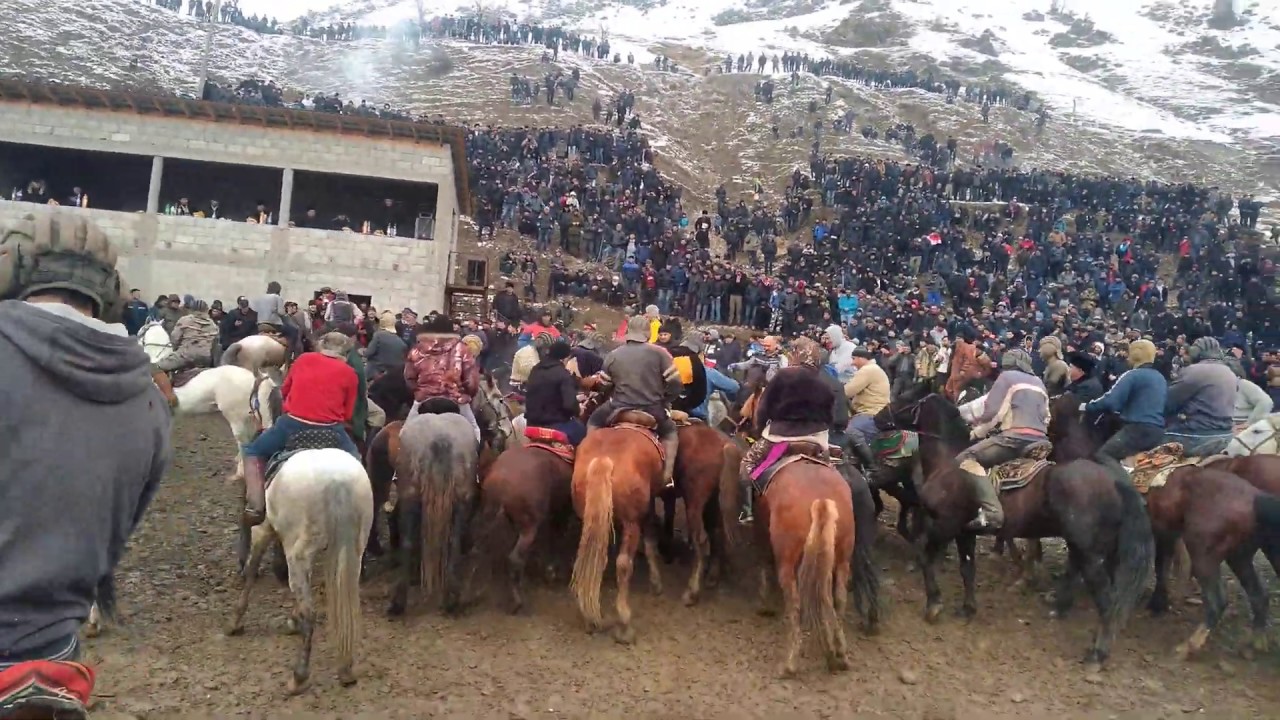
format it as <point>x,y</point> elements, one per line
<point>791,611</point>
<point>838,659</point>
<point>302,557</point>
<point>459,542</point>
<point>409,522</point>
<point>1098,580</point>
<point>933,549</point>
<point>651,555</point>
<point>1182,573</point>
<point>967,545</point>
<point>768,588</point>
<point>516,562</point>
<point>248,573</point>
<point>1064,596</point>
<point>879,501</point>
<point>624,633</point>
<point>693,513</point>
<point>667,544</point>
<point>1208,572</point>
<point>1159,602</point>
<point>1241,563</point>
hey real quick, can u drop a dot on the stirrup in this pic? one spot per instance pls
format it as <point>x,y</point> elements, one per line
<point>252,517</point>
<point>746,517</point>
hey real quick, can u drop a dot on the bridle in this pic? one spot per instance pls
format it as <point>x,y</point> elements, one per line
<point>1253,450</point>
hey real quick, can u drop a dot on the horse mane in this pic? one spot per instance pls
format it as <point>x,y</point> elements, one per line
<point>953,428</point>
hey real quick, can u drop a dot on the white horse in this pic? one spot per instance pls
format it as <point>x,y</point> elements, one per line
<point>320,500</point>
<point>1260,438</point>
<point>257,353</point>
<point>229,390</point>
<point>155,341</point>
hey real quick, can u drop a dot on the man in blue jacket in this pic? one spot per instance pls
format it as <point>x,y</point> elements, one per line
<point>1138,397</point>
<point>136,312</point>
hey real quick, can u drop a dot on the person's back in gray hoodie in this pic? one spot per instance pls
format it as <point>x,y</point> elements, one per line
<point>84,441</point>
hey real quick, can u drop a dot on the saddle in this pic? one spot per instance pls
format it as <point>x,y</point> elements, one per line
<point>273,332</point>
<point>312,438</point>
<point>46,688</point>
<point>181,377</point>
<point>785,453</point>
<point>1014,474</point>
<point>553,441</point>
<point>641,422</point>
<point>1151,469</point>
<point>895,445</point>
<point>683,419</point>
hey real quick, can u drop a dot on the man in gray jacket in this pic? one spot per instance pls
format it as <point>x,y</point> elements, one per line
<point>1201,401</point>
<point>88,439</point>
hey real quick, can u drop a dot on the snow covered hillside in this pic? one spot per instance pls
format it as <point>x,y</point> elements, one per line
<point>1134,87</point>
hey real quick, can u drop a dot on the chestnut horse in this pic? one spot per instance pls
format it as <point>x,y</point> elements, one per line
<point>1098,513</point>
<point>805,519</point>
<point>703,477</point>
<point>617,472</point>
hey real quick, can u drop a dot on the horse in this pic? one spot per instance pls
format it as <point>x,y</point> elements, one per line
<point>319,499</point>
<point>805,520</point>
<point>155,341</point>
<point>617,471</point>
<point>703,476</point>
<point>257,353</point>
<point>249,403</point>
<point>1260,438</point>
<point>435,472</point>
<point>390,391</point>
<point>1099,514</point>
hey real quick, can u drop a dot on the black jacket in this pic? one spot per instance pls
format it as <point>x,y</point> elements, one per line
<point>1086,390</point>
<point>797,402</point>
<point>694,393</point>
<point>550,395</point>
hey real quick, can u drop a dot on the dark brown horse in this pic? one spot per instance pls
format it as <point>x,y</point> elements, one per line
<point>1099,515</point>
<point>805,520</point>
<point>617,472</point>
<point>703,477</point>
<point>531,488</point>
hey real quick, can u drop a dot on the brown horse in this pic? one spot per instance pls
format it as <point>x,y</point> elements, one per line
<point>703,476</point>
<point>805,519</point>
<point>531,487</point>
<point>617,472</point>
<point>1099,514</point>
<point>1220,517</point>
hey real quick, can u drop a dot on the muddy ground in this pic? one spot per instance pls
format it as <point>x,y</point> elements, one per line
<point>718,659</point>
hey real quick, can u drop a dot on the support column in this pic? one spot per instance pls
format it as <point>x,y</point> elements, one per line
<point>153,191</point>
<point>286,197</point>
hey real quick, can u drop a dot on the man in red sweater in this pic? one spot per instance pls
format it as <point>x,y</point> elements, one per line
<point>319,392</point>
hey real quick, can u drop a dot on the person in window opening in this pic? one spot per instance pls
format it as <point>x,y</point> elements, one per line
<point>79,198</point>
<point>183,207</point>
<point>340,311</point>
<point>261,215</point>
<point>309,219</point>
<point>215,210</point>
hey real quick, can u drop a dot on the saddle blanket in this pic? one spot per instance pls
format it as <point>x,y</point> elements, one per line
<point>553,441</point>
<point>1151,469</point>
<point>895,445</point>
<point>317,438</point>
<point>1014,474</point>
<point>56,688</point>
<point>781,455</point>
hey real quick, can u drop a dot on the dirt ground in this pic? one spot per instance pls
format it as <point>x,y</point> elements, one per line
<point>168,655</point>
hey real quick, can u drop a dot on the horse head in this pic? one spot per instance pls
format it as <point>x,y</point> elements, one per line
<point>493,413</point>
<point>155,341</point>
<point>932,415</point>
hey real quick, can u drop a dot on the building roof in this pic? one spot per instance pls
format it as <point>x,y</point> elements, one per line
<point>267,117</point>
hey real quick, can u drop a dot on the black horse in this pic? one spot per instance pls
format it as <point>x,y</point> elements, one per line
<point>1100,515</point>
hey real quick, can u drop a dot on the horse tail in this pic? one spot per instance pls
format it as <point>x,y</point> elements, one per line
<point>729,500</point>
<point>817,566</point>
<point>1266,514</point>
<point>1135,552</point>
<point>105,597</point>
<point>436,479</point>
<point>593,545</point>
<point>865,574</point>
<point>342,580</point>
<point>231,355</point>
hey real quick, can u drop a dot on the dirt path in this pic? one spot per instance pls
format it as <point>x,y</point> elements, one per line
<point>717,659</point>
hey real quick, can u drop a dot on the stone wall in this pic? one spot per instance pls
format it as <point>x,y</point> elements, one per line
<point>220,259</point>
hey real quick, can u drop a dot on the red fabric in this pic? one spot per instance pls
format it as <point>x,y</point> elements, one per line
<point>532,329</point>
<point>546,434</point>
<point>320,389</point>
<point>55,679</point>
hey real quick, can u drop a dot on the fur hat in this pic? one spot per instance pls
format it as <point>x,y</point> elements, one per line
<point>334,345</point>
<point>1141,352</point>
<point>438,325</point>
<point>806,352</point>
<point>693,342</point>
<point>1017,359</point>
<point>1082,361</point>
<point>559,351</point>
<point>58,252</point>
<point>589,341</point>
<point>1050,346</point>
<point>1206,348</point>
<point>637,329</point>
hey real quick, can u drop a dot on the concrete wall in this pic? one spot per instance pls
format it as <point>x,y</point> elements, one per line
<point>220,259</point>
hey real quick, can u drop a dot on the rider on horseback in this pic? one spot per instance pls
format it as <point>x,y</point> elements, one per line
<point>441,366</point>
<point>1138,397</point>
<point>1019,405</point>
<point>868,392</point>
<point>193,339</point>
<point>85,447</point>
<point>795,405</point>
<point>270,308</point>
<point>1202,398</point>
<point>551,395</point>
<point>319,392</point>
<point>643,377</point>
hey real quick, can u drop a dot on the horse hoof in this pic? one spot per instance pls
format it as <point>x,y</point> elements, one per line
<point>296,686</point>
<point>933,614</point>
<point>689,599</point>
<point>967,613</point>
<point>788,671</point>
<point>656,589</point>
<point>1158,606</point>
<point>1185,652</point>
<point>624,635</point>
<point>92,630</point>
<point>1092,667</point>
<point>395,610</point>
<point>346,678</point>
<point>234,631</point>
<point>290,627</point>
<point>838,663</point>
<point>766,611</point>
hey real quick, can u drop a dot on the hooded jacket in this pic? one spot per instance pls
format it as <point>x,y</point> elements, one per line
<point>85,443</point>
<point>1205,394</point>
<point>441,366</point>
<point>841,354</point>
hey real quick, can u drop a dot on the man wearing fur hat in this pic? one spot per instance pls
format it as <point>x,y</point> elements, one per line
<point>1055,370</point>
<point>1082,384</point>
<point>643,377</point>
<point>1138,397</point>
<point>1201,401</point>
<point>320,391</point>
<point>87,440</point>
<point>1018,407</point>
